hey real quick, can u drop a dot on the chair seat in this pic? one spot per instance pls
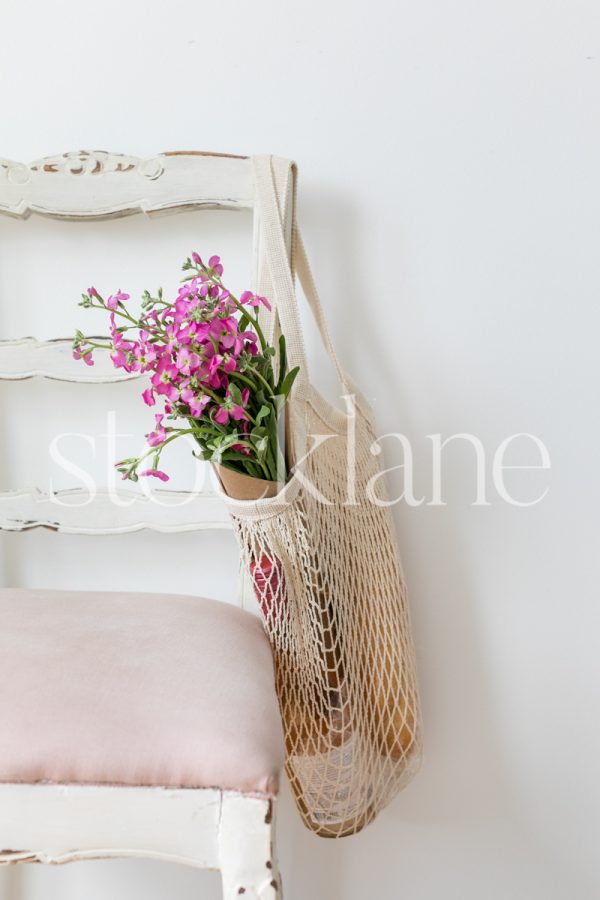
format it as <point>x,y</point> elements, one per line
<point>136,689</point>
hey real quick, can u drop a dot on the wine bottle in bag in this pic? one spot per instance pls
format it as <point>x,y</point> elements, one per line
<point>318,723</point>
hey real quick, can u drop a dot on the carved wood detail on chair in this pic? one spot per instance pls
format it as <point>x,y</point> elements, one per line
<point>95,184</point>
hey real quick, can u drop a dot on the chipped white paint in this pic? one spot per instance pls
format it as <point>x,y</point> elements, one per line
<point>98,185</point>
<point>75,512</point>
<point>247,857</point>
<point>30,358</point>
<point>208,829</point>
<point>61,823</point>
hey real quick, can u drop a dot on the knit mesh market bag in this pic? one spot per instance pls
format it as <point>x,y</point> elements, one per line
<point>323,562</point>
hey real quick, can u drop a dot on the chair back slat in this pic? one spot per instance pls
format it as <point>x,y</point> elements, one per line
<point>74,512</point>
<point>30,358</point>
<point>98,185</point>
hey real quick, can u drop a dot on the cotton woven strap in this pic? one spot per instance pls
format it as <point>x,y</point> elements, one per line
<point>274,249</point>
<point>309,288</point>
<point>283,176</point>
<point>272,189</point>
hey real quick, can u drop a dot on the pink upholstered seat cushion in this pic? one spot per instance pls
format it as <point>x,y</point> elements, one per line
<point>136,689</point>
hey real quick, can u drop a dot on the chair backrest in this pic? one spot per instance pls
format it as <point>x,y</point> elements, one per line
<point>86,186</point>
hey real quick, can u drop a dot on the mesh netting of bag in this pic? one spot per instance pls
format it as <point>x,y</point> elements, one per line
<point>329,584</point>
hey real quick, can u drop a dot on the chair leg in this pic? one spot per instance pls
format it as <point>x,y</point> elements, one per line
<point>248,861</point>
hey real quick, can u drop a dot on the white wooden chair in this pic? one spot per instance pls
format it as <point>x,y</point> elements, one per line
<point>124,800</point>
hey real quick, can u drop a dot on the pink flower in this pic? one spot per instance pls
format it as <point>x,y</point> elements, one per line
<point>222,416</point>
<point>125,356</point>
<point>182,307</point>
<point>159,435</point>
<point>155,473</point>
<point>254,299</point>
<point>148,396</point>
<point>186,289</point>
<point>114,300</point>
<point>164,375</point>
<point>86,357</point>
<point>144,352</point>
<point>196,403</point>
<point>193,331</point>
<point>187,362</point>
<point>229,408</point>
<point>172,342</point>
<point>229,363</point>
<point>214,263</point>
<point>120,359</point>
<point>241,448</point>
<point>150,318</point>
<point>116,335</point>
<point>92,292</point>
<point>241,339</point>
<point>225,330</point>
<point>211,374</point>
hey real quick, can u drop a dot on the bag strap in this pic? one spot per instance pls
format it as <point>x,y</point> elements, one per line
<point>271,216</point>
<point>273,247</point>
<point>305,275</point>
<point>283,177</point>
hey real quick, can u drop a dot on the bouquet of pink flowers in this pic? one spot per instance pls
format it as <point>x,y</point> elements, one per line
<point>210,367</point>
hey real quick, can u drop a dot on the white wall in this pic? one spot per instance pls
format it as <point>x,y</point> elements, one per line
<point>449,194</point>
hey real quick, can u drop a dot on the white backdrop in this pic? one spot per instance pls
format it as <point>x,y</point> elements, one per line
<point>449,195</point>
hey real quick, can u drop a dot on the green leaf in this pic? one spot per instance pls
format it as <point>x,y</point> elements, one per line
<point>278,402</point>
<point>259,438</point>
<point>263,412</point>
<point>236,394</point>
<point>282,360</point>
<point>229,440</point>
<point>288,381</point>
